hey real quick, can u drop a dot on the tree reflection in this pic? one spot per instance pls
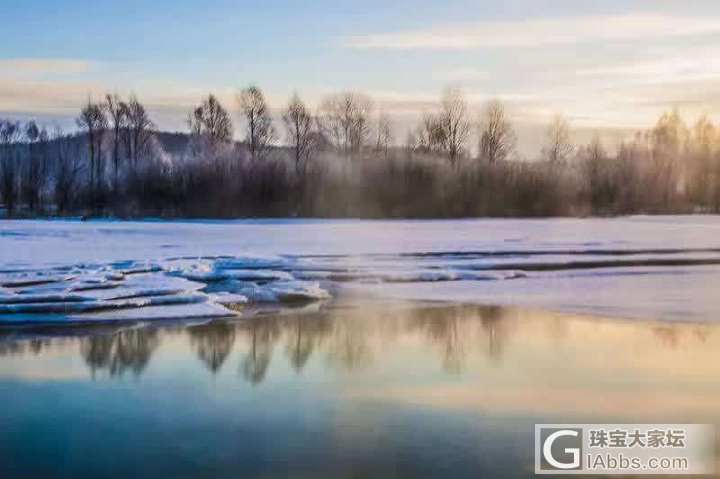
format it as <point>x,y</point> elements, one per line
<point>17,348</point>
<point>262,333</point>
<point>12,348</point>
<point>213,343</point>
<point>491,318</point>
<point>349,347</point>
<point>304,334</point>
<point>702,333</point>
<point>453,329</point>
<point>668,336</point>
<point>453,342</point>
<point>441,326</point>
<point>127,350</point>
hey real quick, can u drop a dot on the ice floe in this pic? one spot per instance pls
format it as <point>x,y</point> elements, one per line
<point>281,291</point>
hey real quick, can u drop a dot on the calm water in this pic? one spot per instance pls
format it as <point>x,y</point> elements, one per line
<point>342,390</point>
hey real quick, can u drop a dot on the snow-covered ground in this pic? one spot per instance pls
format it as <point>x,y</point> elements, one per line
<point>650,267</point>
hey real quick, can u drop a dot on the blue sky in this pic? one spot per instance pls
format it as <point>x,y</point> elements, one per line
<point>606,65</point>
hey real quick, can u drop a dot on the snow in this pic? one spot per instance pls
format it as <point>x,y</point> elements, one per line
<point>665,267</point>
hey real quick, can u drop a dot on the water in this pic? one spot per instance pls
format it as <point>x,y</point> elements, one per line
<point>338,389</point>
<point>345,348</point>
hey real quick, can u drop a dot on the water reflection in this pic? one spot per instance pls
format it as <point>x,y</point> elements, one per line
<point>213,343</point>
<point>359,337</point>
<point>304,335</point>
<point>389,389</point>
<point>261,334</point>
<point>348,347</point>
<point>32,346</point>
<point>125,350</point>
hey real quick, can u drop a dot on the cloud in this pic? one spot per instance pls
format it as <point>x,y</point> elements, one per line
<point>45,84</point>
<point>22,67</point>
<point>539,32</point>
<point>686,66</point>
<point>32,96</point>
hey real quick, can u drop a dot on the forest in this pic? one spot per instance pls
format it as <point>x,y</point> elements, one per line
<point>346,159</point>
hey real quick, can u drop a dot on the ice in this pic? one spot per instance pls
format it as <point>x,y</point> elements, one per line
<point>16,280</point>
<point>252,262</point>
<point>42,298</point>
<point>290,291</point>
<point>226,298</point>
<point>207,270</point>
<point>257,275</point>
<point>86,306</point>
<point>278,292</point>
<point>151,284</point>
<point>93,285</point>
<point>446,275</point>
<point>660,267</point>
<point>180,312</point>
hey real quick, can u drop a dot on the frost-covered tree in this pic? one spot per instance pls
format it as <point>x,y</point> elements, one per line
<point>345,118</point>
<point>67,170</point>
<point>117,111</point>
<point>497,138</point>
<point>10,133</point>
<point>299,125</point>
<point>93,121</point>
<point>383,134</point>
<point>210,120</point>
<point>558,147</point>
<point>34,166</point>
<point>139,135</point>
<point>260,133</point>
<point>453,124</point>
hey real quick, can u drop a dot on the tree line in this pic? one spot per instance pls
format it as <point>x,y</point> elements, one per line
<point>344,159</point>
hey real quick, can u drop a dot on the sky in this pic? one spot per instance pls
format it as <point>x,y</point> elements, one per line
<point>609,66</point>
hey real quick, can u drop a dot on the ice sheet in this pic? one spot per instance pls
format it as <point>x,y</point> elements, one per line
<point>664,267</point>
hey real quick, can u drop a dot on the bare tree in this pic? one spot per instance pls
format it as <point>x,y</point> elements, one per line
<point>93,120</point>
<point>383,134</point>
<point>669,141</point>
<point>497,138</point>
<point>559,147</point>
<point>594,164</point>
<point>430,135</point>
<point>210,120</point>
<point>260,132</point>
<point>9,136</point>
<point>34,171</point>
<point>345,118</point>
<point>670,134</point>
<point>139,131</point>
<point>453,124</point>
<point>67,169</point>
<point>412,142</point>
<point>118,113</point>
<point>628,160</point>
<point>299,125</point>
